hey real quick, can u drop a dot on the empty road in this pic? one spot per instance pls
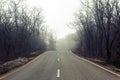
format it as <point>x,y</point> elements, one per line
<point>61,65</point>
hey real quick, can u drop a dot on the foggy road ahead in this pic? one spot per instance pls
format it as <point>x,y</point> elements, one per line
<point>61,65</point>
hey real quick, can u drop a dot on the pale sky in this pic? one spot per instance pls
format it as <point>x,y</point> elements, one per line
<point>58,14</point>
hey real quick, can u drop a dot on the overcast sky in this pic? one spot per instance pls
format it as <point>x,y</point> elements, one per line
<point>58,13</point>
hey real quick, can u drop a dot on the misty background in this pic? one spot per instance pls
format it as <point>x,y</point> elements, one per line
<point>88,28</point>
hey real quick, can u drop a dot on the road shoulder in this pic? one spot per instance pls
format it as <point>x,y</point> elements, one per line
<point>20,67</point>
<point>108,69</point>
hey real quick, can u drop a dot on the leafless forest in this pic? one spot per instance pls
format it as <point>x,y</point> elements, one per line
<point>22,30</point>
<point>98,27</point>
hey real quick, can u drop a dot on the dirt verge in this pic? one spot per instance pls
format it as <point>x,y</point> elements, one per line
<point>13,64</point>
<point>102,63</point>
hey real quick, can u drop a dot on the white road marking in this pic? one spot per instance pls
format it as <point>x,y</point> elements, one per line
<point>58,73</point>
<point>58,59</point>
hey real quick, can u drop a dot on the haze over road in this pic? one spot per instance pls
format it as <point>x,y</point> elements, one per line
<point>61,65</point>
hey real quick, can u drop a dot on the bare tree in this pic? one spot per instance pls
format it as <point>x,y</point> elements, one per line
<point>100,27</point>
<point>21,30</point>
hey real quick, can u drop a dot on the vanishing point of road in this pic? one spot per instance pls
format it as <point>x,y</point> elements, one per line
<point>61,65</point>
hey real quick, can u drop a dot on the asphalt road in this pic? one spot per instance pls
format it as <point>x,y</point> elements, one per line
<point>61,65</point>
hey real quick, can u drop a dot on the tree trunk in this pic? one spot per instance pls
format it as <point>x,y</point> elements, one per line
<point>108,55</point>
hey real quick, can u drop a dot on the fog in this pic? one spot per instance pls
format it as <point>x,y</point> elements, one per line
<point>67,43</point>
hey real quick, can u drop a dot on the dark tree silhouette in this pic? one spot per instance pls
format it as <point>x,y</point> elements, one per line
<point>98,28</point>
<point>21,30</point>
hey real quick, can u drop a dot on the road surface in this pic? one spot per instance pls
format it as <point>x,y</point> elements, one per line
<point>61,65</point>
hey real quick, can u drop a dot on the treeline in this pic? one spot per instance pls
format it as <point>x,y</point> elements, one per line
<point>22,30</point>
<point>98,27</point>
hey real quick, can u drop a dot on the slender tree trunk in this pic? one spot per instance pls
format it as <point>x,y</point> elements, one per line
<point>108,54</point>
